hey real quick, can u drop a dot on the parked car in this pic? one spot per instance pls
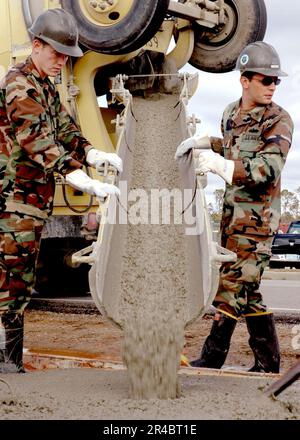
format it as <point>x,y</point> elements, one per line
<point>286,248</point>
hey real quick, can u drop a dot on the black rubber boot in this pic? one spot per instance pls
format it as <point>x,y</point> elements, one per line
<point>11,348</point>
<point>264,343</point>
<point>216,346</point>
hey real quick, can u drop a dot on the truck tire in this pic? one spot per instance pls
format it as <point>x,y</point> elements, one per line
<point>117,31</point>
<point>54,277</point>
<point>217,51</point>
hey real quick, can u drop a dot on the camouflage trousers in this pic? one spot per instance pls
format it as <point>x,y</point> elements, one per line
<point>238,292</point>
<point>19,245</point>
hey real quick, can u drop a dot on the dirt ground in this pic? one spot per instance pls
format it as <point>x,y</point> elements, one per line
<point>80,334</point>
<point>97,394</point>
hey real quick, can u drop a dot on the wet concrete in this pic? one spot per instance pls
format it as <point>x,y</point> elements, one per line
<point>85,394</point>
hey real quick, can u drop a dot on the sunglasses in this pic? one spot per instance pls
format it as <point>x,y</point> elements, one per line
<point>268,80</point>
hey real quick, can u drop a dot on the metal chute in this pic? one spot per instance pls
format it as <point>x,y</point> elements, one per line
<point>203,254</point>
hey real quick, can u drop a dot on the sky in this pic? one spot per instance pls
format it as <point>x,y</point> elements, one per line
<point>215,91</point>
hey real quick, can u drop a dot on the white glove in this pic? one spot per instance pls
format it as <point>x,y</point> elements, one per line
<point>214,162</point>
<point>78,179</point>
<point>201,142</point>
<point>96,158</point>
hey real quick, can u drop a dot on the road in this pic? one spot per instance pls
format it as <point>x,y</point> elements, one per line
<point>282,294</point>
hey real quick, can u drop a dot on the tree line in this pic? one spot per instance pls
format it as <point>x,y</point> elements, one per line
<point>290,205</point>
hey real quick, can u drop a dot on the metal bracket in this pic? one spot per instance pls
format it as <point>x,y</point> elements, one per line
<point>207,13</point>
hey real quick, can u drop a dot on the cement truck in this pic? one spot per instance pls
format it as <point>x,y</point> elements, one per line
<point>126,37</point>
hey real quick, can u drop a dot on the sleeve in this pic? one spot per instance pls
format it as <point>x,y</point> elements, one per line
<point>33,132</point>
<point>265,168</point>
<point>217,143</point>
<point>70,136</point>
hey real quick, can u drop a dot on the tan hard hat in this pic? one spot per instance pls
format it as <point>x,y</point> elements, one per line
<point>260,57</point>
<point>58,28</point>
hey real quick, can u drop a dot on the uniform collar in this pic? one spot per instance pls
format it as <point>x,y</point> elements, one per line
<point>30,68</point>
<point>255,114</point>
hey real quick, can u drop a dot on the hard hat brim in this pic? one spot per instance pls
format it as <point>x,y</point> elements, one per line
<point>71,51</point>
<point>266,72</point>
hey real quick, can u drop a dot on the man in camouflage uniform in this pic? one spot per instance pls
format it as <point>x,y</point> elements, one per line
<point>37,137</point>
<point>257,135</point>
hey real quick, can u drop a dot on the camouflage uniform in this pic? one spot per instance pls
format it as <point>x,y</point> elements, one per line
<point>18,254</point>
<point>37,137</point>
<point>258,142</point>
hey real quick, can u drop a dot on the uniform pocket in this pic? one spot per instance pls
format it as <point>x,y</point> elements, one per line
<point>251,141</point>
<point>250,217</point>
<point>250,145</point>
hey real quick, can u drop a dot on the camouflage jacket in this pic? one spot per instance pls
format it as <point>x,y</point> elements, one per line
<point>258,142</point>
<point>37,137</point>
